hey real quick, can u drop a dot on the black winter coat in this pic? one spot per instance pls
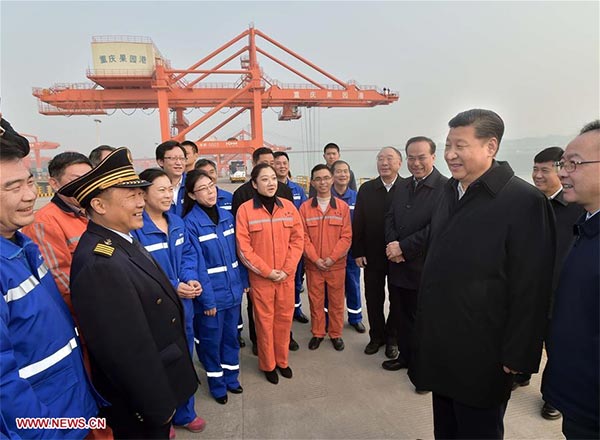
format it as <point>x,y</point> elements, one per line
<point>368,237</point>
<point>485,288</point>
<point>407,221</point>
<point>133,324</point>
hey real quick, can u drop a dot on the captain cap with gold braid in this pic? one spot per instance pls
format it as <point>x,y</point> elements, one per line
<point>115,171</point>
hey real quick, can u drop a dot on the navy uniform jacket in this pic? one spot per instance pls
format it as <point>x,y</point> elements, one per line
<point>133,324</point>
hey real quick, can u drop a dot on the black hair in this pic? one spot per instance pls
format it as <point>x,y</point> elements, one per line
<point>259,152</point>
<point>281,153</point>
<point>96,154</point>
<point>550,154</point>
<point>331,145</point>
<point>319,167</point>
<point>420,139</point>
<point>591,126</point>
<point>190,182</point>
<point>191,144</point>
<point>336,163</point>
<point>257,169</point>
<point>151,174</point>
<point>10,150</point>
<point>168,146</point>
<point>59,163</point>
<point>487,124</point>
<point>201,163</point>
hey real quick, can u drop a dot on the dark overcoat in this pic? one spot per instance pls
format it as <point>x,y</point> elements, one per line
<point>368,237</point>
<point>132,321</point>
<point>485,288</point>
<point>407,222</point>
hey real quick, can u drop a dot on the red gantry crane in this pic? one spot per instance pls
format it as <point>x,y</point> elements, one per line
<point>130,73</point>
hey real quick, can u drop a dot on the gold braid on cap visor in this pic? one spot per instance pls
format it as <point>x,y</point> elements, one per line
<point>115,177</point>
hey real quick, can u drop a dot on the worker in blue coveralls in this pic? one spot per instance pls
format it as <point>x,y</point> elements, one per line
<point>209,167</point>
<point>163,236</point>
<point>282,169</point>
<point>41,365</point>
<point>171,156</point>
<point>341,190</point>
<point>211,233</point>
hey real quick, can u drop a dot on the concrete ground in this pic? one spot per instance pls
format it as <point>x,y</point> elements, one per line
<point>341,395</point>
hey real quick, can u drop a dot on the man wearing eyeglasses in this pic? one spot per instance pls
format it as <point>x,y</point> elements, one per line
<point>172,158</point>
<point>545,178</point>
<point>571,381</point>
<point>483,301</point>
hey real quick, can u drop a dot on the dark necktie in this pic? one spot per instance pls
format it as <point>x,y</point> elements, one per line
<point>143,251</point>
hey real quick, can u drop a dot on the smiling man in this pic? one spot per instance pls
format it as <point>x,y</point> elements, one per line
<point>129,313</point>
<point>571,380</point>
<point>41,369</point>
<point>406,223</point>
<point>481,315</point>
<point>171,156</point>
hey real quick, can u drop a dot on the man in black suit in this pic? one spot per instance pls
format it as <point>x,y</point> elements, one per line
<point>406,226</point>
<point>368,247</point>
<point>545,178</point>
<point>128,312</point>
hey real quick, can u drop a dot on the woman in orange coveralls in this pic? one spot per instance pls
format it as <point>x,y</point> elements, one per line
<point>270,242</point>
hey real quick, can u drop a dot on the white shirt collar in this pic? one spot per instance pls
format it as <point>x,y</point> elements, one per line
<point>127,237</point>
<point>589,215</point>
<point>556,193</point>
<point>461,191</point>
<point>176,190</point>
<point>388,186</point>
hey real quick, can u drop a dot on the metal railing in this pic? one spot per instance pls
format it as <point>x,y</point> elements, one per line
<point>121,39</point>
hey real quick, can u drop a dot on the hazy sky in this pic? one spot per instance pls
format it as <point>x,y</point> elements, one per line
<point>535,63</point>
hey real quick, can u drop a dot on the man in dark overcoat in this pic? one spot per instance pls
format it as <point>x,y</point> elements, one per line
<point>485,290</point>
<point>571,380</point>
<point>368,247</point>
<point>545,178</point>
<point>406,226</point>
<point>128,311</point>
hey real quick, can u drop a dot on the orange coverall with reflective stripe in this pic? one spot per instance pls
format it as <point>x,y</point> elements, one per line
<point>267,242</point>
<point>327,234</point>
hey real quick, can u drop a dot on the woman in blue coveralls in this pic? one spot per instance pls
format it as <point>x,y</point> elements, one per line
<point>210,230</point>
<point>340,189</point>
<point>163,236</point>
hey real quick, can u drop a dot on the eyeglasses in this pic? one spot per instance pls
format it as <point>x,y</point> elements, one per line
<point>206,188</point>
<point>571,165</point>
<point>322,179</point>
<point>175,158</point>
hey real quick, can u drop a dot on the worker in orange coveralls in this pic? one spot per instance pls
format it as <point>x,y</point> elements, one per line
<point>327,239</point>
<point>270,241</point>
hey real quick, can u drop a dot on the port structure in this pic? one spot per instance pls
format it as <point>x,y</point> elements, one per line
<point>177,90</point>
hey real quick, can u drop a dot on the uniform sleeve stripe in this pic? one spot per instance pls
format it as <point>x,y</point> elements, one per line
<point>207,237</point>
<point>157,247</point>
<point>44,364</point>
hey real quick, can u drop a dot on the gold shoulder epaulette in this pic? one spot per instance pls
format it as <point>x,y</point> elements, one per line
<point>104,250</point>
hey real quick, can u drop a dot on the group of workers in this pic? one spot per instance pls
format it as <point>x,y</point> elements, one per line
<point>151,266</point>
